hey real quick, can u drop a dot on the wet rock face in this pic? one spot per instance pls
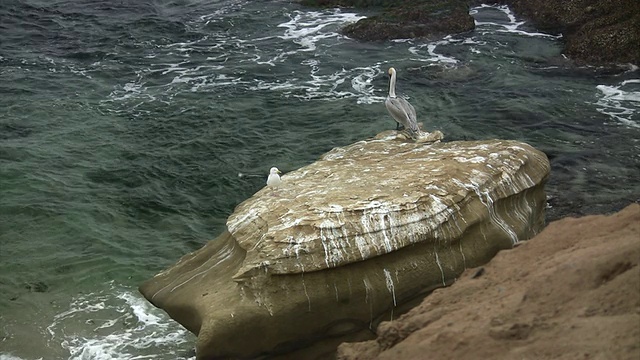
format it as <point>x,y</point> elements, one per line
<point>405,19</point>
<point>350,238</point>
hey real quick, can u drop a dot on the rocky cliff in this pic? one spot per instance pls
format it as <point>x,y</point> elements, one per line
<point>571,292</point>
<point>350,239</point>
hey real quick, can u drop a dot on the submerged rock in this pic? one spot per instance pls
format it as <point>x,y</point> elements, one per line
<point>348,239</point>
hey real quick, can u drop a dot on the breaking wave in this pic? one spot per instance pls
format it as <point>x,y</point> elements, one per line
<point>118,324</point>
<point>621,102</point>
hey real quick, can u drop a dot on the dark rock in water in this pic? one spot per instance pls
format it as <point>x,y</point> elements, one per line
<point>595,32</point>
<point>406,19</point>
<point>351,239</point>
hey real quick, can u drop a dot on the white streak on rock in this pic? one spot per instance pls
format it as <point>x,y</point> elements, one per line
<point>444,283</point>
<point>497,219</point>
<point>222,255</point>
<point>464,259</point>
<point>474,160</point>
<point>390,286</point>
<point>248,217</point>
<point>369,299</point>
<point>486,199</point>
<point>388,246</point>
<point>305,291</point>
<point>363,246</point>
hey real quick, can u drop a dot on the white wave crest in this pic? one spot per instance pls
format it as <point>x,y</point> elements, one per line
<point>305,28</point>
<point>345,83</point>
<point>117,324</point>
<point>621,102</point>
<point>11,357</point>
<point>432,56</point>
<point>513,25</point>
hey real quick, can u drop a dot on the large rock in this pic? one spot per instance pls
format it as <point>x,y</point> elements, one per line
<point>571,292</point>
<point>349,238</point>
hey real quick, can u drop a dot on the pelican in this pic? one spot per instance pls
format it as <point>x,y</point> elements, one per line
<point>274,179</point>
<point>400,109</point>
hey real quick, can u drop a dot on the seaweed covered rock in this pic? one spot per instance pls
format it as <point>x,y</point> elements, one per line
<point>348,239</point>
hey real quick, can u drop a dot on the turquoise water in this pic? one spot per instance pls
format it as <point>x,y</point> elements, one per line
<point>124,129</point>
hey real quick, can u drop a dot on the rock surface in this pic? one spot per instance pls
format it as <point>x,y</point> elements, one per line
<point>571,292</point>
<point>346,241</point>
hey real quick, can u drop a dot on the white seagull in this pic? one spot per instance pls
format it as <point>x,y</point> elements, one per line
<point>400,109</point>
<point>274,179</point>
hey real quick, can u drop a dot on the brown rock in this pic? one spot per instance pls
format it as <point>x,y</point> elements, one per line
<point>571,292</point>
<point>350,239</point>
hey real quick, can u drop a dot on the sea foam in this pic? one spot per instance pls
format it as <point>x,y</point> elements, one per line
<point>118,324</point>
<point>621,102</point>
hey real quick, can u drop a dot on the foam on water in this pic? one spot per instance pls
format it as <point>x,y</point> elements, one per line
<point>218,15</point>
<point>11,357</point>
<point>621,102</point>
<point>308,30</point>
<point>122,325</point>
<point>435,52</point>
<point>512,26</point>
<point>332,86</point>
<point>304,28</point>
<point>305,32</point>
<point>209,64</point>
<point>432,56</point>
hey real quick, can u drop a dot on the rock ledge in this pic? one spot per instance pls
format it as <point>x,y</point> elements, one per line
<point>571,292</point>
<point>351,238</point>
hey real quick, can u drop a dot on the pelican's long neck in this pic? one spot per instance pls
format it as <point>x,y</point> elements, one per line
<point>392,85</point>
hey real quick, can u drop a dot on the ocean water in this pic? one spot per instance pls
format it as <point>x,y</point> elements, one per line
<point>129,131</point>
